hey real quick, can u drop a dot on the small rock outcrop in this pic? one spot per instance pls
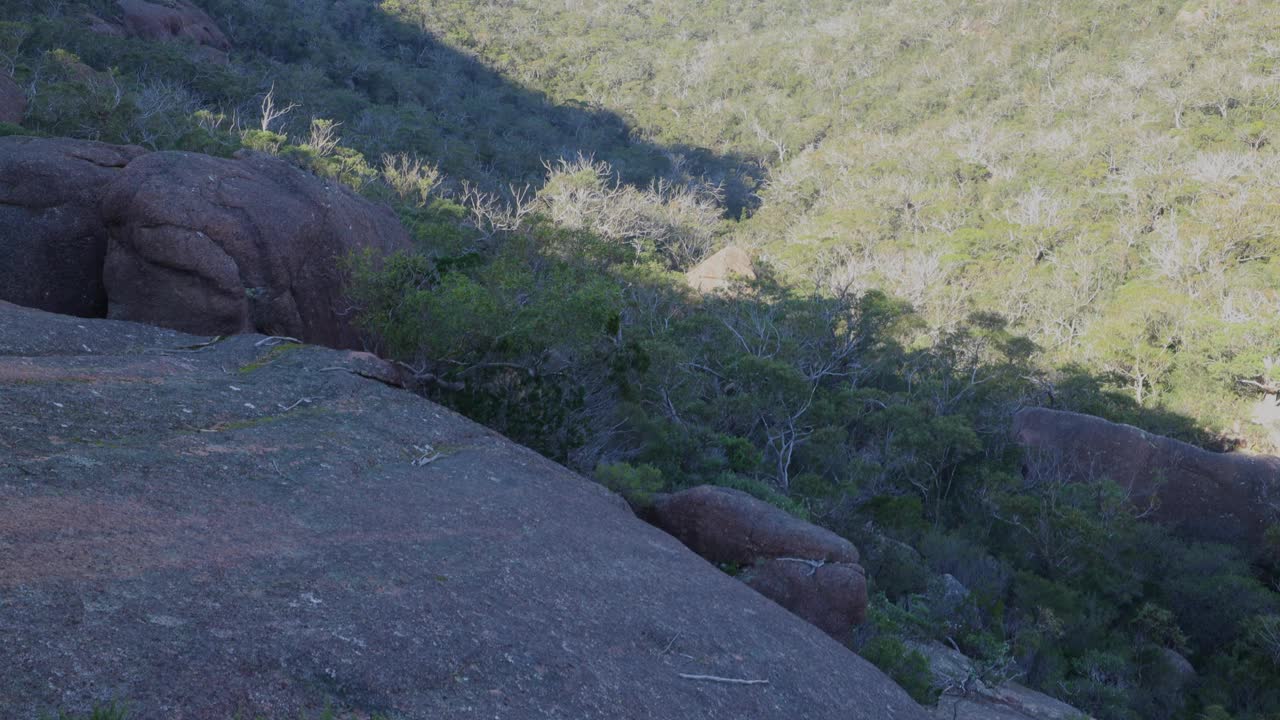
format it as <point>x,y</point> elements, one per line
<point>831,596</point>
<point>1224,497</point>
<point>240,529</point>
<point>53,238</point>
<point>13,102</point>
<point>809,570</point>
<point>719,271</point>
<point>207,245</point>
<point>182,240</point>
<point>966,697</point>
<point>1178,665</point>
<point>169,20</point>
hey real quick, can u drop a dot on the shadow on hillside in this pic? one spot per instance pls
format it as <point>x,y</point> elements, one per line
<point>1080,390</point>
<point>397,85</point>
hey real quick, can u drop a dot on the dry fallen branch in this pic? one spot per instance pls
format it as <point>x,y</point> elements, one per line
<point>276,340</point>
<point>673,642</point>
<point>428,455</point>
<point>1268,388</point>
<point>199,347</point>
<point>290,407</point>
<point>713,678</point>
<point>814,565</point>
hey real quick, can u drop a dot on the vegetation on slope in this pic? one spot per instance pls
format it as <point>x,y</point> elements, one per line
<point>962,208</point>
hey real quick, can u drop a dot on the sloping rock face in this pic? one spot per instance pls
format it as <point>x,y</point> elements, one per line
<point>719,271</point>
<point>53,238</point>
<point>242,529</point>
<point>172,20</point>
<point>13,102</point>
<point>182,240</point>
<point>966,697</point>
<point>1225,497</point>
<point>806,569</point>
<point>202,244</point>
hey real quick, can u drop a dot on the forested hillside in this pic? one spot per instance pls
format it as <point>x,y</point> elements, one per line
<point>958,209</point>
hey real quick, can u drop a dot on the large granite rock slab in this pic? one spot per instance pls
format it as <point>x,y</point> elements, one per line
<point>1223,497</point>
<point>252,529</point>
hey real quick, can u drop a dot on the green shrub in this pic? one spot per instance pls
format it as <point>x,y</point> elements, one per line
<point>637,484</point>
<point>906,667</point>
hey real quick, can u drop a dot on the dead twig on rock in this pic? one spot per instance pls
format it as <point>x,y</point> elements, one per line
<point>290,407</point>
<point>713,678</point>
<point>673,642</point>
<point>814,565</point>
<point>428,456</point>
<point>198,347</point>
<point>276,340</point>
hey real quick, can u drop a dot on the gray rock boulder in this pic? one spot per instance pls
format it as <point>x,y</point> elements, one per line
<point>169,20</point>
<point>729,526</point>
<point>183,240</point>
<point>53,238</point>
<point>807,569</point>
<point>13,102</point>
<point>832,596</point>
<point>1224,497</point>
<point>207,245</point>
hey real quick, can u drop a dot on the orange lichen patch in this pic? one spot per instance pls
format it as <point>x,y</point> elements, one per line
<point>247,449</point>
<point>87,538</point>
<point>24,370</point>
<point>201,445</point>
<point>374,367</point>
<point>81,538</point>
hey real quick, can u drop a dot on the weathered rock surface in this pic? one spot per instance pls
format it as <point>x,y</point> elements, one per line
<point>53,238</point>
<point>207,245</point>
<point>13,102</point>
<point>966,697</point>
<point>807,569</point>
<point>720,270</point>
<point>100,25</point>
<point>1226,497</point>
<point>243,530</point>
<point>729,526</point>
<point>182,240</point>
<point>170,20</point>
<point>831,596</point>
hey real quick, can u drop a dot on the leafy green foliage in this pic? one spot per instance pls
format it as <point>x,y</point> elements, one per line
<point>102,712</point>
<point>907,667</point>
